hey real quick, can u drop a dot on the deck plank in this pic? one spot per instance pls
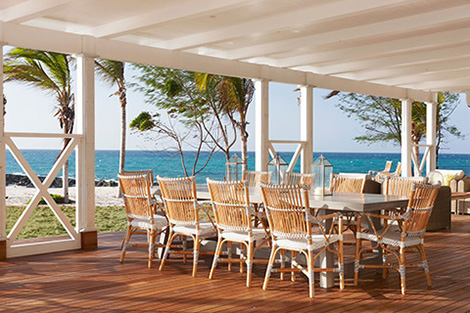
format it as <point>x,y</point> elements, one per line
<point>95,280</point>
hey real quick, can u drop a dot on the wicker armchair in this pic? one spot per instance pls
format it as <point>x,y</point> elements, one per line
<point>254,178</point>
<point>180,200</point>
<point>397,241</point>
<point>140,210</point>
<point>289,178</point>
<point>233,216</point>
<point>294,228</point>
<point>141,172</point>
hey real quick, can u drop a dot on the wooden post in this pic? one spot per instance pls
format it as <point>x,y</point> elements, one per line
<point>306,128</point>
<point>431,133</point>
<point>262,125</point>
<point>406,137</point>
<point>85,156</point>
<point>3,207</point>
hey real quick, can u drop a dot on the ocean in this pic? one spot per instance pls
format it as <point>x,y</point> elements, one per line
<point>167,164</point>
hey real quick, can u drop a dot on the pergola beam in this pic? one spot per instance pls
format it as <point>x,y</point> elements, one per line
<point>406,23</point>
<point>284,20</point>
<point>160,15</point>
<point>31,9</point>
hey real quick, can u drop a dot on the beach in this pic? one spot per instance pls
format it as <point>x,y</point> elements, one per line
<point>104,196</point>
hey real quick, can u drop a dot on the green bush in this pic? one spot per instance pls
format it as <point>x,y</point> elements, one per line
<point>57,198</point>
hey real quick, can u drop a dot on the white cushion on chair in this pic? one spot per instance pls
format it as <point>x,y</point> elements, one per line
<point>392,237</point>
<point>258,234</point>
<point>204,229</point>
<point>159,222</point>
<point>318,241</point>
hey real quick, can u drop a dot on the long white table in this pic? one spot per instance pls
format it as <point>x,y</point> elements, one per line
<point>343,202</point>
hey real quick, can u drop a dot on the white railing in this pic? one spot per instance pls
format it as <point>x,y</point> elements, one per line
<point>15,248</point>
<point>297,153</point>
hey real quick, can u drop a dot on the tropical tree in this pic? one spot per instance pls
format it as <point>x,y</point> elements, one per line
<point>112,73</point>
<point>235,96</point>
<point>187,122</point>
<point>50,72</point>
<point>381,118</point>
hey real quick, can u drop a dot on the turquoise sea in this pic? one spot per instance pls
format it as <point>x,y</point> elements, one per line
<point>166,163</point>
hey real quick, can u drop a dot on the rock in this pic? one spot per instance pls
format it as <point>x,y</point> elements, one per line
<point>23,180</point>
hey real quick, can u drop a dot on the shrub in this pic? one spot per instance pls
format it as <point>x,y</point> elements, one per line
<point>57,198</point>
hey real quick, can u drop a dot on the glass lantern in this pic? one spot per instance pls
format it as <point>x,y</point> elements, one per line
<point>323,170</point>
<point>233,168</point>
<point>278,167</point>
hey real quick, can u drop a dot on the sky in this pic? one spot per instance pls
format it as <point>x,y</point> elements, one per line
<point>31,110</point>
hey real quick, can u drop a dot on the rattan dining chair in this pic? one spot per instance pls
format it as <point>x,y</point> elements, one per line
<point>401,186</point>
<point>397,241</point>
<point>141,172</point>
<point>294,228</point>
<point>182,209</point>
<point>141,209</point>
<point>289,178</point>
<point>234,219</point>
<point>254,178</point>
<point>347,184</point>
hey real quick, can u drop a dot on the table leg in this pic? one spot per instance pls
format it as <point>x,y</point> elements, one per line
<point>326,260</point>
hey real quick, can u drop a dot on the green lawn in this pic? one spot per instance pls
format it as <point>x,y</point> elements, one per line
<point>43,222</point>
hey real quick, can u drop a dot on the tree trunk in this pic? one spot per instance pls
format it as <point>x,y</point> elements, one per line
<point>244,139</point>
<point>417,158</point>
<point>122,149</point>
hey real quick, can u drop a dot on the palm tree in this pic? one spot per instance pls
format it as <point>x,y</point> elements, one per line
<point>236,95</point>
<point>112,73</point>
<point>50,72</point>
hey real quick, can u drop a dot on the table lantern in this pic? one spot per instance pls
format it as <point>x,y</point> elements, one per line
<point>233,168</point>
<point>278,167</point>
<point>323,170</point>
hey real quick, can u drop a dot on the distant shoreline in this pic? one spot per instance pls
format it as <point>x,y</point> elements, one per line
<point>24,181</point>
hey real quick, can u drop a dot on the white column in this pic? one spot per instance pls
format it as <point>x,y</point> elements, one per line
<point>3,212</point>
<point>431,133</point>
<point>262,125</point>
<point>406,137</point>
<point>306,128</point>
<point>85,156</point>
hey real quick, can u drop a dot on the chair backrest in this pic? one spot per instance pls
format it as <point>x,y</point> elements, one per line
<point>422,199</point>
<point>347,184</point>
<point>286,207</point>
<point>254,178</point>
<point>138,200</point>
<point>398,169</point>
<point>231,204</point>
<point>401,186</point>
<point>143,172</point>
<point>289,178</point>
<point>388,166</point>
<point>180,198</point>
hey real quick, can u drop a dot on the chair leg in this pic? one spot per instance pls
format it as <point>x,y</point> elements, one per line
<point>294,254</point>
<point>384,259</point>
<point>269,269</point>
<point>311,277</point>
<point>151,246</point>
<point>242,248</point>
<point>125,243</point>
<point>229,255</point>
<point>357,261</point>
<point>197,244</point>
<point>218,250</point>
<point>283,262</point>
<point>171,237</point>
<point>341,264</point>
<point>402,270</point>
<point>185,247</point>
<point>425,266</point>
<point>249,263</point>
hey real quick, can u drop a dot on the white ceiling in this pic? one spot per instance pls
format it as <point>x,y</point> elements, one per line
<point>421,45</point>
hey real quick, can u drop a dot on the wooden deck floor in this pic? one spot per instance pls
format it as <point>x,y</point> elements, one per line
<point>95,281</point>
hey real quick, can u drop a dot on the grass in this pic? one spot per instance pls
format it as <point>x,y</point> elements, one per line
<point>43,223</point>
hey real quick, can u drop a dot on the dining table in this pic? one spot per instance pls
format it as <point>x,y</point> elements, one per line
<point>337,202</point>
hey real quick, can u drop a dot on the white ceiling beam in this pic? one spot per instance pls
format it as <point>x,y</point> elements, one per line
<point>442,85</point>
<point>380,48</point>
<point>405,58</point>
<point>31,9</point>
<point>35,38</point>
<point>285,20</point>
<point>423,68</point>
<point>406,23</point>
<point>159,15</point>
<point>426,77</point>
